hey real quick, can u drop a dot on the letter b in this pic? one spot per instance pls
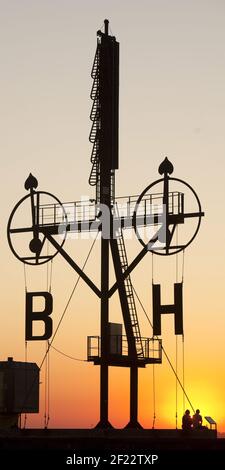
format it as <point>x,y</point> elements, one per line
<point>43,316</point>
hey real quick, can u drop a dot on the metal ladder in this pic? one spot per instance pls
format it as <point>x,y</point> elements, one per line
<point>129,293</point>
<point>94,175</point>
<point>112,187</point>
<point>95,118</point>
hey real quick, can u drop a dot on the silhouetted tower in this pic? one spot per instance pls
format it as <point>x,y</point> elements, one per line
<point>158,207</point>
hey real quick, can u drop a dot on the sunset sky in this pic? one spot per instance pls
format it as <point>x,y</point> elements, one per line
<point>172,102</point>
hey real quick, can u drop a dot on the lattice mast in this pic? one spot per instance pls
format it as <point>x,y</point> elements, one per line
<point>104,158</point>
<point>105,114</point>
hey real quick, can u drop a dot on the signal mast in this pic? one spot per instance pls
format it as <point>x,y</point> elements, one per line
<point>155,216</point>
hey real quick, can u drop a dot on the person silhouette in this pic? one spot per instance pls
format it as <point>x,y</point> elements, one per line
<point>186,421</point>
<point>197,420</point>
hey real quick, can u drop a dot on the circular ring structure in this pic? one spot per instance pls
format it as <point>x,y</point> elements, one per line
<point>150,245</point>
<point>36,243</point>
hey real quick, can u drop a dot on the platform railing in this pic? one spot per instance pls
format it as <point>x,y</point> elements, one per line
<point>118,347</point>
<point>88,211</point>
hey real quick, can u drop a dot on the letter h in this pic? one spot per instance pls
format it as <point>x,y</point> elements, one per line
<point>176,308</point>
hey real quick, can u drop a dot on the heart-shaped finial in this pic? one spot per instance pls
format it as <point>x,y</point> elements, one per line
<point>166,167</point>
<point>31,182</point>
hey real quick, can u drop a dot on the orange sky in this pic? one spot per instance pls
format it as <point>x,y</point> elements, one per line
<point>172,103</point>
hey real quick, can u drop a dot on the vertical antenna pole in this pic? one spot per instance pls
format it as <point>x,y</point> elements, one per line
<point>106,23</point>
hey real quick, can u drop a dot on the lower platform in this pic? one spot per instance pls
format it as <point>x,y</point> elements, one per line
<point>107,438</point>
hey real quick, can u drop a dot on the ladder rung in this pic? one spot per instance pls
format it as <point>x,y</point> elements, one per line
<point>129,294</point>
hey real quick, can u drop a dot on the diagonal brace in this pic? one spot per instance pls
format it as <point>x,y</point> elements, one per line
<point>128,270</point>
<point>73,264</point>
<point>133,264</point>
